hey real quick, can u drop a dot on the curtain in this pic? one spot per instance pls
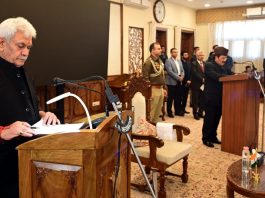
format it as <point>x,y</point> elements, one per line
<point>244,39</point>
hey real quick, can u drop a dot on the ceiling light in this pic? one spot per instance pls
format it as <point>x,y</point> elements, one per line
<point>207,5</point>
<point>249,2</point>
<point>190,0</point>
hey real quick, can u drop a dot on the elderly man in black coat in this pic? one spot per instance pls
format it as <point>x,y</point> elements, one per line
<point>18,101</point>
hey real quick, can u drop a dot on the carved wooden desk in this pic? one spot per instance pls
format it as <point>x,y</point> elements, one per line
<point>234,182</point>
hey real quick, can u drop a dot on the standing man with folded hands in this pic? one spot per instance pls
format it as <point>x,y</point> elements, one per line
<point>18,101</point>
<point>174,78</point>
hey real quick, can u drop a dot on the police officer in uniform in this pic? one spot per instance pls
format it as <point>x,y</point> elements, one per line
<point>153,70</point>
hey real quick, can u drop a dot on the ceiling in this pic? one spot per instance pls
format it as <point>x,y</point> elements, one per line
<point>199,4</point>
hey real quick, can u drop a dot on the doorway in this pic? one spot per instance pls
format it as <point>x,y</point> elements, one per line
<point>161,37</point>
<point>187,41</point>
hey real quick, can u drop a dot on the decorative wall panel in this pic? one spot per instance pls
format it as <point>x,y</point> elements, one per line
<point>136,40</point>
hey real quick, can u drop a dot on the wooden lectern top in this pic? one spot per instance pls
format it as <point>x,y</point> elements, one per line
<point>85,139</point>
<point>235,77</point>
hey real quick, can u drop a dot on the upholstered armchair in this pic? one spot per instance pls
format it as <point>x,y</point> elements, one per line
<point>154,153</point>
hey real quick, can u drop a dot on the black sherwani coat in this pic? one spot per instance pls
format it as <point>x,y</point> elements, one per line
<point>18,102</point>
<point>213,99</point>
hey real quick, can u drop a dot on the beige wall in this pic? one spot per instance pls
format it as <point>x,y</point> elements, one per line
<point>114,59</point>
<point>177,18</point>
<point>203,39</point>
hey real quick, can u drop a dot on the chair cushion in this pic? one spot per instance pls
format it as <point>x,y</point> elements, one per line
<point>171,152</point>
<point>143,127</point>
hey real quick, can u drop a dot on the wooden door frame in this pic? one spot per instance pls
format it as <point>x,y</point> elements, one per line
<point>166,32</point>
<point>188,31</point>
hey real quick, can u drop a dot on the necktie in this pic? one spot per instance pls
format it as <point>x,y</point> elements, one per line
<point>202,67</point>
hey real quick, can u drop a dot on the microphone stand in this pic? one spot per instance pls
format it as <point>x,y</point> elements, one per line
<point>257,77</point>
<point>122,127</point>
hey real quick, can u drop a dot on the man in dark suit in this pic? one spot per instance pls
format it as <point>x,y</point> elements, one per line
<point>163,55</point>
<point>213,96</point>
<point>18,101</point>
<point>186,81</point>
<point>211,54</point>
<point>195,50</point>
<point>197,80</point>
<point>174,78</point>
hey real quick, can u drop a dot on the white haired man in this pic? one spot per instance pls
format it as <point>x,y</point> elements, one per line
<point>18,101</point>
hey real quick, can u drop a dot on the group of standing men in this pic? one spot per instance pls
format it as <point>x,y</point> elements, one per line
<point>174,78</point>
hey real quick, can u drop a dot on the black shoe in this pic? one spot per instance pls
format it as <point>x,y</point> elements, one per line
<point>216,141</point>
<point>170,115</point>
<point>196,116</point>
<point>209,144</point>
<point>179,114</point>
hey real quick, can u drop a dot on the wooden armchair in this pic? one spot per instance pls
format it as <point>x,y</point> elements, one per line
<point>159,155</point>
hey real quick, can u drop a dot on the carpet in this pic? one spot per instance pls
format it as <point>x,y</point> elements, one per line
<point>207,167</point>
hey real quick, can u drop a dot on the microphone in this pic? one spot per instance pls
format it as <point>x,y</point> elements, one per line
<point>65,95</point>
<point>253,66</point>
<point>244,62</point>
<point>60,97</point>
<point>59,81</point>
<point>113,99</point>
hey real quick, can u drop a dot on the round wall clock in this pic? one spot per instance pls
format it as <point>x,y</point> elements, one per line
<point>159,11</point>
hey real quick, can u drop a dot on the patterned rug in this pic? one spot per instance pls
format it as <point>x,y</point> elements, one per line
<point>207,166</point>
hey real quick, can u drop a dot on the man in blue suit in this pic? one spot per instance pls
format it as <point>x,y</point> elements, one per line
<point>174,78</point>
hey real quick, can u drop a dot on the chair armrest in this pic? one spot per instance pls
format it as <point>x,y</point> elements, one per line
<point>153,140</point>
<point>154,143</point>
<point>180,130</point>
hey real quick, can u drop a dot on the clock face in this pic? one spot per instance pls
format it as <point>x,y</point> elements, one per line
<point>159,11</point>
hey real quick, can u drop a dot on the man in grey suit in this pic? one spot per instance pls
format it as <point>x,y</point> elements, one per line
<point>174,78</point>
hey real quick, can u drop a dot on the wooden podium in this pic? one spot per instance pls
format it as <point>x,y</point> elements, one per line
<point>75,165</point>
<point>240,113</point>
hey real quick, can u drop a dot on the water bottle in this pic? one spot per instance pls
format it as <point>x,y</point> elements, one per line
<point>245,166</point>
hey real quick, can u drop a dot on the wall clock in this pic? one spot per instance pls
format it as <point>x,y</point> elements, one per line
<point>159,11</point>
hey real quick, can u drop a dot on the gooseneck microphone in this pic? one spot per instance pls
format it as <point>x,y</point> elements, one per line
<point>59,81</point>
<point>65,95</point>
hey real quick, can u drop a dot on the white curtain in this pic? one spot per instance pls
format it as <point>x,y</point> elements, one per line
<point>244,39</point>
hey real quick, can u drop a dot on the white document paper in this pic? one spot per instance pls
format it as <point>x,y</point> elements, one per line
<point>59,128</point>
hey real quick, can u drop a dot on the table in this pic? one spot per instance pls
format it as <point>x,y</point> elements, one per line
<point>234,182</point>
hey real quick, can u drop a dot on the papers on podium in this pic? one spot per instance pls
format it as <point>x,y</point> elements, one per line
<point>40,128</point>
